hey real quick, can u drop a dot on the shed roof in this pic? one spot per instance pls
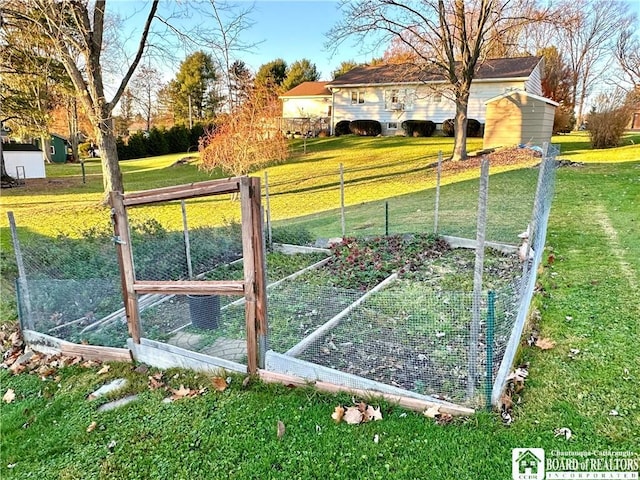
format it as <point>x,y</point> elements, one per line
<point>309,89</point>
<point>19,147</point>
<point>522,92</point>
<point>492,69</point>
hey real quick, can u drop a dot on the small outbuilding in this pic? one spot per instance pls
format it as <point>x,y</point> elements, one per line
<point>518,117</point>
<point>23,160</point>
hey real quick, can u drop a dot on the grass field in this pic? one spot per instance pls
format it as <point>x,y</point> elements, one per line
<point>589,299</point>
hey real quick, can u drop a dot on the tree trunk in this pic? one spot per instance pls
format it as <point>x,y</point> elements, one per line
<point>111,174</point>
<point>460,128</point>
<point>72,112</point>
<point>45,141</point>
<point>5,176</point>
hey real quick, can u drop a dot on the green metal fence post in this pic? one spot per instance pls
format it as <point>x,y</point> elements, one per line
<point>386,219</point>
<point>491,315</point>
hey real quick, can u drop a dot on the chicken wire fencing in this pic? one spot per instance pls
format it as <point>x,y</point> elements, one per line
<point>415,335</point>
<point>411,336</point>
<point>70,286</point>
<point>363,200</point>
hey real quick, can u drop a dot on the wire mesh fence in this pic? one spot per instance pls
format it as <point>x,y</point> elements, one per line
<point>413,335</point>
<point>363,200</point>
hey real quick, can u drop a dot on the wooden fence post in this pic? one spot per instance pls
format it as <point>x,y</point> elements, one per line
<point>260,270</point>
<point>249,262</point>
<point>125,259</point>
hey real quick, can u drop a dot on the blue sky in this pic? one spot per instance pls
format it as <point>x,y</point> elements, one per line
<point>293,30</point>
<point>290,30</point>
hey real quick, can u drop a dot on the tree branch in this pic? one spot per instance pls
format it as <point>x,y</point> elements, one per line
<point>136,60</point>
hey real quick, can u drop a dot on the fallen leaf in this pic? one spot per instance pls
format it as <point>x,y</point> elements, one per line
<point>219,383</point>
<point>432,412</point>
<point>246,381</point>
<point>444,418</point>
<point>92,426</point>
<point>338,413</point>
<point>545,343</point>
<point>9,396</point>
<point>376,438</point>
<point>280,429</point>
<point>374,413</point>
<point>15,339</point>
<point>155,383</point>
<point>142,368</point>
<point>17,368</point>
<point>180,393</point>
<point>505,402</point>
<point>563,432</point>
<point>614,413</point>
<point>112,444</point>
<point>353,416</point>
<point>104,369</point>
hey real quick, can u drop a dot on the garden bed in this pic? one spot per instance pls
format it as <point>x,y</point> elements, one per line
<point>414,334</point>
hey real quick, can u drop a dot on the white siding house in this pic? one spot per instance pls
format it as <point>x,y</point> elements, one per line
<point>392,94</point>
<point>307,100</point>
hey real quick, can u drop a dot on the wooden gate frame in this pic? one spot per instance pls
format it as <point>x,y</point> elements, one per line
<point>252,286</point>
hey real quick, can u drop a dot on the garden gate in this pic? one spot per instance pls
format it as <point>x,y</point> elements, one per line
<point>252,286</point>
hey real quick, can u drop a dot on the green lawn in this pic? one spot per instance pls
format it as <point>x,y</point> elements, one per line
<point>589,300</point>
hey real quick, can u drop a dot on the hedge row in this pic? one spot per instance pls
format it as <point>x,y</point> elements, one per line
<point>160,141</point>
<point>412,128</point>
<point>474,128</point>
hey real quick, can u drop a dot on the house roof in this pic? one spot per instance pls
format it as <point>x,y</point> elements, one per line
<point>526,94</point>
<point>19,147</point>
<point>492,69</point>
<point>309,89</point>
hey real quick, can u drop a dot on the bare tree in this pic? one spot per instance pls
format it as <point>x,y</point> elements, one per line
<point>228,23</point>
<point>627,52</point>
<point>586,31</point>
<point>144,87</point>
<point>448,37</point>
<point>75,32</point>
<point>248,139</point>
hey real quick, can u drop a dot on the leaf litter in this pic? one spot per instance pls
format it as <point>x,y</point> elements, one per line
<point>359,412</point>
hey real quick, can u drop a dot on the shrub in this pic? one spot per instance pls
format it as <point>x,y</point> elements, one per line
<point>448,127</point>
<point>197,132</point>
<point>137,145</point>
<point>365,128</point>
<point>123,149</point>
<point>606,128</point>
<point>294,235</point>
<point>342,128</point>
<point>474,128</point>
<point>418,128</point>
<point>178,139</point>
<point>157,144</point>
<point>564,120</point>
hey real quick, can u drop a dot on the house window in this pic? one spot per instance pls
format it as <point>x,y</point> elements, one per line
<point>392,125</point>
<point>399,100</point>
<point>357,97</point>
<point>436,97</point>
